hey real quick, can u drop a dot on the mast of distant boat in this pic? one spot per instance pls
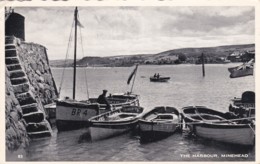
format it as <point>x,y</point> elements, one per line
<point>75,51</point>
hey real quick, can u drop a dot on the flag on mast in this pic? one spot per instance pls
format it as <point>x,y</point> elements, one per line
<point>79,24</point>
<point>132,74</point>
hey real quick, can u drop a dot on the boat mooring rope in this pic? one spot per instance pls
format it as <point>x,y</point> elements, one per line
<point>251,128</point>
<point>65,62</point>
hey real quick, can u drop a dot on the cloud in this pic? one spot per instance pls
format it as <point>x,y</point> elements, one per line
<point>133,30</point>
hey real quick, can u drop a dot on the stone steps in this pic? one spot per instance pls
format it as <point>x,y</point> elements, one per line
<point>10,46</point>
<point>9,61</point>
<point>26,98</point>
<point>17,81</point>
<point>37,125</point>
<point>9,39</point>
<point>10,53</point>
<point>34,117</point>
<point>40,134</point>
<point>16,74</point>
<point>28,108</point>
<point>14,67</point>
<point>21,88</point>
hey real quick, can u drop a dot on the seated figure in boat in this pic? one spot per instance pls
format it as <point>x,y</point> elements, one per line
<point>155,75</point>
<point>158,76</point>
<point>103,100</point>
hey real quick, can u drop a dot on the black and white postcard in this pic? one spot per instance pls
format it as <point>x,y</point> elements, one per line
<point>120,81</point>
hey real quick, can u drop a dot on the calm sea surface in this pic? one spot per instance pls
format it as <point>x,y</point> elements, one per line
<point>186,87</point>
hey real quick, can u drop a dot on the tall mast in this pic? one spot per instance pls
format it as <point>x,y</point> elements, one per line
<point>75,51</point>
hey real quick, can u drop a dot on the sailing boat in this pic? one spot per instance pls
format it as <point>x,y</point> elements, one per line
<point>72,114</point>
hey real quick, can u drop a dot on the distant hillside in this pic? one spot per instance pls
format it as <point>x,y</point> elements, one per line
<point>219,51</point>
<point>60,63</point>
<point>166,57</point>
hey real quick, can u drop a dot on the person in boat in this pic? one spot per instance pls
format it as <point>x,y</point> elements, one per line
<point>158,76</point>
<point>102,99</point>
<point>155,75</point>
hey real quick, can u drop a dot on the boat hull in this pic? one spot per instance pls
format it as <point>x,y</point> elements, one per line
<point>161,79</point>
<point>70,112</point>
<point>215,125</point>
<point>231,69</point>
<point>150,131</point>
<point>241,73</point>
<point>234,134</point>
<point>104,131</point>
<point>115,122</point>
<point>65,125</point>
<point>158,123</point>
<point>73,115</point>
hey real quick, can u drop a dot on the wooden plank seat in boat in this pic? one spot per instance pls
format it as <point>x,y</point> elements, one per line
<point>163,120</point>
<point>205,116</point>
<point>163,117</point>
<point>209,118</point>
<point>120,116</point>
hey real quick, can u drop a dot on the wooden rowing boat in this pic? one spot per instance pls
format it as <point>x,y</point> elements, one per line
<point>212,124</point>
<point>158,123</point>
<point>115,122</point>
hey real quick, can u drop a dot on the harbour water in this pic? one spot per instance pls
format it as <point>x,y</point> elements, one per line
<point>186,87</point>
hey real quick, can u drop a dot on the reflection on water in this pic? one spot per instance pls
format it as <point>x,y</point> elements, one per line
<point>186,87</point>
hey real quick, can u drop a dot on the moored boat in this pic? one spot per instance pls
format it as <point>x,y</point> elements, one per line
<point>158,123</point>
<point>115,122</point>
<point>215,125</point>
<point>245,69</point>
<point>72,114</point>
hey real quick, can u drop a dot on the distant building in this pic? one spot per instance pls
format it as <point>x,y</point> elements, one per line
<point>235,56</point>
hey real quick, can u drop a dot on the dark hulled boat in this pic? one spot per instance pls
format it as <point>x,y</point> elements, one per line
<point>158,123</point>
<point>159,79</point>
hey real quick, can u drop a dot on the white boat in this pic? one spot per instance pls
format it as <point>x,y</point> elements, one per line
<point>215,125</point>
<point>115,122</point>
<point>159,123</point>
<point>74,114</point>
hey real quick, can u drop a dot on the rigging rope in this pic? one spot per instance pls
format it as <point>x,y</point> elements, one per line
<point>65,62</point>
<point>251,128</point>
<point>86,80</point>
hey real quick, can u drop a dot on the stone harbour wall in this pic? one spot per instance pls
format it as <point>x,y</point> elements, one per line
<point>34,59</point>
<point>29,86</point>
<point>16,134</point>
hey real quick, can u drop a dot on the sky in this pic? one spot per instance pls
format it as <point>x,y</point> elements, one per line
<point>112,31</point>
